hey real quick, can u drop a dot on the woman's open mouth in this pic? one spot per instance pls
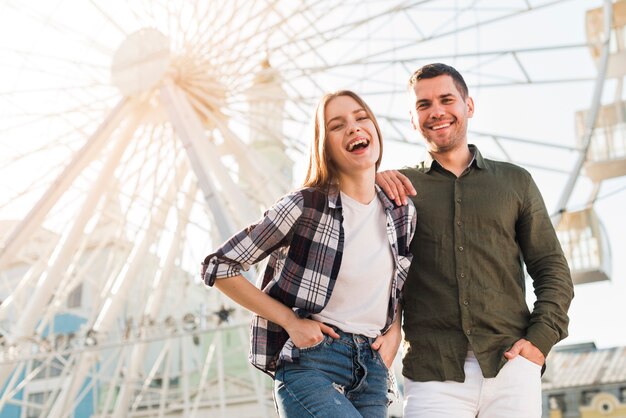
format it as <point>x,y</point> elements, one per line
<point>357,144</point>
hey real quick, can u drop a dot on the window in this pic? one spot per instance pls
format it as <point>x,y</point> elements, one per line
<point>557,402</point>
<point>606,407</point>
<point>75,298</point>
<point>53,369</point>
<point>39,399</point>
<point>587,396</point>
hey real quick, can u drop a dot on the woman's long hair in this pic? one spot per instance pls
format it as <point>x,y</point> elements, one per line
<point>322,171</point>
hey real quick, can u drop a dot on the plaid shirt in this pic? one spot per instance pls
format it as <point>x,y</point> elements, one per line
<point>303,236</point>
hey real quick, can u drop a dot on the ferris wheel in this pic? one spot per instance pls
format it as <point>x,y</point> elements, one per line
<point>135,136</point>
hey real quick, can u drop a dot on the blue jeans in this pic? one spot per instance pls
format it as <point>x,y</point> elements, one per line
<point>341,377</point>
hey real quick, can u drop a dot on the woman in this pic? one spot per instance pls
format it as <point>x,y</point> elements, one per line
<point>327,324</point>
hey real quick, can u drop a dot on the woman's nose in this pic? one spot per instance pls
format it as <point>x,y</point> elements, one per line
<point>353,126</point>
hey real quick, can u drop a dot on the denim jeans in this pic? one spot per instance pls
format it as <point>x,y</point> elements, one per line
<point>341,377</point>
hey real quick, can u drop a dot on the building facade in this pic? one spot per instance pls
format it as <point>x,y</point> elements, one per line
<point>582,381</point>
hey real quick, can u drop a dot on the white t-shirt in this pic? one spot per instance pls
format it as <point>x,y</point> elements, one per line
<point>360,298</point>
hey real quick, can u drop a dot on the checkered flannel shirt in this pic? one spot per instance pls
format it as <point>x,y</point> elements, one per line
<point>303,236</point>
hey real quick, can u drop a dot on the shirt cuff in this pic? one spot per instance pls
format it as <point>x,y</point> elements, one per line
<point>542,337</point>
<point>213,269</point>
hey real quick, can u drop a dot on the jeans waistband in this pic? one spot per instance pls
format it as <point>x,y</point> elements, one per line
<point>349,336</point>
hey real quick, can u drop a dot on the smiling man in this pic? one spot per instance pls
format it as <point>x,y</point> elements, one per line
<point>472,347</point>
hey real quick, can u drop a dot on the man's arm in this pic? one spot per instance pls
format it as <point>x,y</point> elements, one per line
<point>549,271</point>
<point>395,185</point>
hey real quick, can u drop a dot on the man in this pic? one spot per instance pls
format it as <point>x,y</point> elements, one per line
<point>472,348</point>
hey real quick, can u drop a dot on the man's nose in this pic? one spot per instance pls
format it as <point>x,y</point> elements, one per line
<point>437,111</point>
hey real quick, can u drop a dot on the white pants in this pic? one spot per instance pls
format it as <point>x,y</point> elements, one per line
<point>514,393</point>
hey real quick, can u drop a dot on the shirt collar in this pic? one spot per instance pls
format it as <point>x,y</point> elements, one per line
<point>334,201</point>
<point>387,204</point>
<point>477,159</point>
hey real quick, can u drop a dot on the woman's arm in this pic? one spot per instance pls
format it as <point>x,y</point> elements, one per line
<point>387,345</point>
<point>303,332</point>
<point>254,243</point>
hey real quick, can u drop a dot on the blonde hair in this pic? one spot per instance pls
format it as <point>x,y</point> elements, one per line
<point>322,171</point>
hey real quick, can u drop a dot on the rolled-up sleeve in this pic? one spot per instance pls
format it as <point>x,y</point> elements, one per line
<point>255,242</point>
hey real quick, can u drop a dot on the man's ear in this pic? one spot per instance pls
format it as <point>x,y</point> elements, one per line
<point>470,107</point>
<point>412,119</point>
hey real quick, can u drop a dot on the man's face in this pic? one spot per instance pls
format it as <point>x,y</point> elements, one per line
<point>440,113</point>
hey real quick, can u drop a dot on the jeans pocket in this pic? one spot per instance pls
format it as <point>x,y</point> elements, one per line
<point>315,346</point>
<point>393,392</point>
<point>529,362</point>
<point>379,358</point>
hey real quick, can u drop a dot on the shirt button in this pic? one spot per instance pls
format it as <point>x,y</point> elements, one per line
<point>468,332</point>
<point>461,248</point>
<point>458,200</point>
<point>459,223</point>
<point>466,302</point>
<point>462,275</point>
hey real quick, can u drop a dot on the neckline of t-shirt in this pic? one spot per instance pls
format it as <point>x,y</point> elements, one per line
<point>353,203</point>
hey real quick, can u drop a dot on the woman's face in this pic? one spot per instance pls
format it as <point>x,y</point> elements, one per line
<point>352,140</point>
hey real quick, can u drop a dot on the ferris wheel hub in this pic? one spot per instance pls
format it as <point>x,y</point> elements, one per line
<point>140,62</point>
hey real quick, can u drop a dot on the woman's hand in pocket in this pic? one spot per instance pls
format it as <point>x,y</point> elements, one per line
<point>387,345</point>
<point>308,332</point>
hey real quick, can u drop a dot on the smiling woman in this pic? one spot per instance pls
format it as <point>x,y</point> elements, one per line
<point>353,139</point>
<point>329,297</point>
<point>341,120</point>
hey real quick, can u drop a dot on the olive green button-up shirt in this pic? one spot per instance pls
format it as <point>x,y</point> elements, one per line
<point>466,289</point>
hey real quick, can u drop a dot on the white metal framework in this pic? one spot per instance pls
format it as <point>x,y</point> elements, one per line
<point>137,135</point>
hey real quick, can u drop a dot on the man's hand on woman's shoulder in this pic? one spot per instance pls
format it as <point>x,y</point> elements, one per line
<point>395,185</point>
